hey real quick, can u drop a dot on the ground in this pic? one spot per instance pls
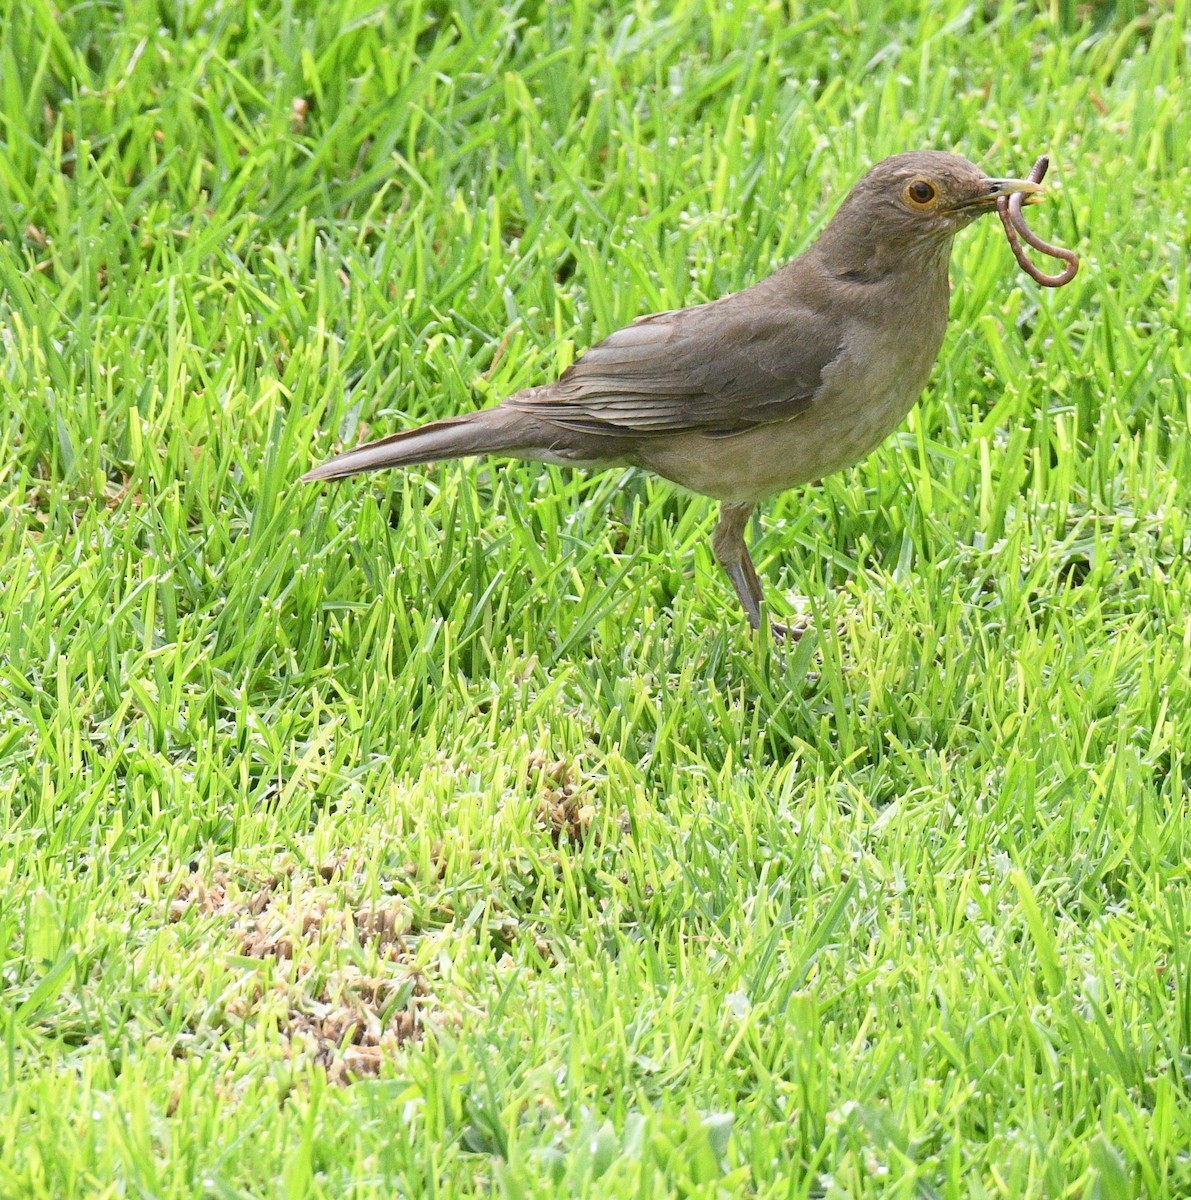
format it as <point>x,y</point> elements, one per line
<point>446,833</point>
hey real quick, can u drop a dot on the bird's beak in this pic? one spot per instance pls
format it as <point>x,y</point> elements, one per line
<point>993,190</point>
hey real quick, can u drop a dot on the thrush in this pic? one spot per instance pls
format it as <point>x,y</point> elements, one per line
<point>792,379</point>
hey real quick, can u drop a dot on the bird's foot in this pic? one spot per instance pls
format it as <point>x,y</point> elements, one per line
<point>788,634</point>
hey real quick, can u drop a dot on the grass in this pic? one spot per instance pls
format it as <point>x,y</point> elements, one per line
<point>446,834</point>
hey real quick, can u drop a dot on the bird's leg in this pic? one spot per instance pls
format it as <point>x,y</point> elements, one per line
<point>728,545</point>
<point>750,574</point>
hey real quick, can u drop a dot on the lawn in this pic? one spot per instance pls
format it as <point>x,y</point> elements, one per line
<point>446,833</point>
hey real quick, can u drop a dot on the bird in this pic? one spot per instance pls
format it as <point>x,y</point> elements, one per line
<point>799,376</point>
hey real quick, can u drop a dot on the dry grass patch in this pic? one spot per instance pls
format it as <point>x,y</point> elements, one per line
<point>341,986</point>
<point>564,806</point>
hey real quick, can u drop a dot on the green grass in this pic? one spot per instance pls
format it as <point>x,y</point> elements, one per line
<point>446,834</point>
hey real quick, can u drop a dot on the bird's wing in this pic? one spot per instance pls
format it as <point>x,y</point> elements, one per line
<point>718,368</point>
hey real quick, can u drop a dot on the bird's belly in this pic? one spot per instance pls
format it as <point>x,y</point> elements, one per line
<point>864,396</point>
<point>758,463</point>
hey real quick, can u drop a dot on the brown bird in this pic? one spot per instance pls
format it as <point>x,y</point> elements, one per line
<point>798,376</point>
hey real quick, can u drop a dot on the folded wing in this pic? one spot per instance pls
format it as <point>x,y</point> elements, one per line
<point>718,368</point>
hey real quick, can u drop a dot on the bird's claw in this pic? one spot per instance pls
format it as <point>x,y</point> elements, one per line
<point>788,634</point>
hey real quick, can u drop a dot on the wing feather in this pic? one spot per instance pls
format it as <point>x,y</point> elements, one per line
<point>724,367</point>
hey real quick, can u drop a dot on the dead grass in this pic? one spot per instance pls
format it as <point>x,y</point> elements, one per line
<point>330,1011</point>
<point>564,805</point>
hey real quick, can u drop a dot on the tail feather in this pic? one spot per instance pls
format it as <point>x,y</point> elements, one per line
<point>489,431</point>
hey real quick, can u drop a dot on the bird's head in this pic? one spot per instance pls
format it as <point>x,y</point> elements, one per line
<point>916,201</point>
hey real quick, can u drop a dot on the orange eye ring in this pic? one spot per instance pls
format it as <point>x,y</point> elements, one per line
<point>920,194</point>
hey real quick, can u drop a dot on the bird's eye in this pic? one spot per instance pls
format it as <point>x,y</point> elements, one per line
<point>920,193</point>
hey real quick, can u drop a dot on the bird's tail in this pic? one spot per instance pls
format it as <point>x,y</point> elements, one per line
<point>489,431</point>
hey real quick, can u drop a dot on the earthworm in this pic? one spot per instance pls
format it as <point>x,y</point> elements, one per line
<point>1009,210</point>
